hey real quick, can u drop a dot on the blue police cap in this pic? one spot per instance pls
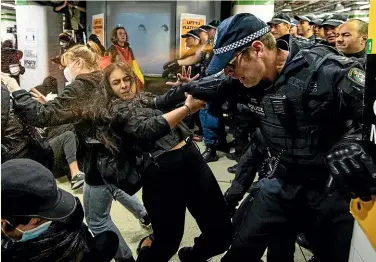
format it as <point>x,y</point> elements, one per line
<point>233,33</point>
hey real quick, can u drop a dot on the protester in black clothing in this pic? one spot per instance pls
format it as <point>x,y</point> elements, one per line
<point>66,41</point>
<point>41,222</point>
<point>167,182</point>
<point>352,38</point>
<point>10,60</point>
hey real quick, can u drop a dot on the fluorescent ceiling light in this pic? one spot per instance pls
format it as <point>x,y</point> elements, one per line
<point>342,10</point>
<point>362,3</point>
<point>286,9</point>
<point>8,5</point>
<point>364,7</point>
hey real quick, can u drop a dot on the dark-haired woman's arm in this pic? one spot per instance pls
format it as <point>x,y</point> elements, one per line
<point>146,123</point>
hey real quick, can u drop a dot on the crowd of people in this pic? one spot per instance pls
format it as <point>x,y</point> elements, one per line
<point>293,94</point>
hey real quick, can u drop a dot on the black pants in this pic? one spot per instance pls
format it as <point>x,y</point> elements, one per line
<point>275,211</point>
<point>181,179</point>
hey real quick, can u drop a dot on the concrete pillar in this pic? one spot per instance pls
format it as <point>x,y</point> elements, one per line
<point>263,9</point>
<point>38,28</point>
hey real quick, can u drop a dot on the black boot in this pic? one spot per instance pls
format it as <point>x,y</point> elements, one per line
<point>232,169</point>
<point>210,154</point>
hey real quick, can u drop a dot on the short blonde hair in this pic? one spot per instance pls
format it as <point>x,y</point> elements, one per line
<point>83,53</point>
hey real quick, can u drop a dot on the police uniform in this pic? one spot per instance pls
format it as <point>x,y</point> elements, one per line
<point>306,113</point>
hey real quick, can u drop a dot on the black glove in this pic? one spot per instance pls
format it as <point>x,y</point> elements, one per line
<point>171,64</point>
<point>352,167</point>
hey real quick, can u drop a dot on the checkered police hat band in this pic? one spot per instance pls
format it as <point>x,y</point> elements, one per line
<point>334,21</point>
<point>241,42</point>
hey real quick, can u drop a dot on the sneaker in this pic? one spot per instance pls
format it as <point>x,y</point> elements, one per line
<point>78,180</point>
<point>145,221</point>
<point>185,255</point>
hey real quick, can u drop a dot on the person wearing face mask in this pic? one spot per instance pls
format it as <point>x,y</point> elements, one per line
<point>82,71</point>
<point>352,38</point>
<point>10,60</point>
<point>330,25</point>
<point>121,51</point>
<point>41,222</point>
<point>66,41</point>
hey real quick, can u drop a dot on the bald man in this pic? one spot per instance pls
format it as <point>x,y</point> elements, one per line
<point>352,38</point>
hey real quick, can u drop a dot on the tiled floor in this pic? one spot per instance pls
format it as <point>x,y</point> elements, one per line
<point>133,232</point>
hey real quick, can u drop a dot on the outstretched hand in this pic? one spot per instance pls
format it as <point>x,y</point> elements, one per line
<point>38,96</point>
<point>184,77</point>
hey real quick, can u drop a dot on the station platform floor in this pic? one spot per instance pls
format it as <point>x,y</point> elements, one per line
<point>132,231</point>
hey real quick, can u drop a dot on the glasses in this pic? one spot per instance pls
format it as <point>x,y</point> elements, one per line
<point>231,65</point>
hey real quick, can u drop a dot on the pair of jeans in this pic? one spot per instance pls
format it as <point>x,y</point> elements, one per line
<point>97,205</point>
<point>276,210</point>
<point>181,179</point>
<point>212,123</point>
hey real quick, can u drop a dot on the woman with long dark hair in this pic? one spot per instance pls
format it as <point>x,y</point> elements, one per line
<point>122,52</point>
<point>176,177</point>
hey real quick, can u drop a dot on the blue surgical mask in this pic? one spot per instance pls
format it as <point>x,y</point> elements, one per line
<point>32,233</point>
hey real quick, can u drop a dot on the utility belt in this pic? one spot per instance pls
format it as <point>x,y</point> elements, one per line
<point>275,166</point>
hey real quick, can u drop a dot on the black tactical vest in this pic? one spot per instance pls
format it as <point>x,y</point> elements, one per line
<point>296,118</point>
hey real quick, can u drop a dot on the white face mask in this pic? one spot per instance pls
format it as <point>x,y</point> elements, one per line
<point>14,69</point>
<point>68,73</point>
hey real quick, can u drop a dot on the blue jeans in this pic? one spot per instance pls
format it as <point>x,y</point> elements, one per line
<point>97,206</point>
<point>212,125</point>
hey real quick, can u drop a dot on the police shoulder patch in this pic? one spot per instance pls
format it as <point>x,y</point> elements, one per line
<point>357,76</point>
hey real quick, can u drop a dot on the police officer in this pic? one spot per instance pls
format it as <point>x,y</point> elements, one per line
<point>280,25</point>
<point>318,30</point>
<point>330,25</point>
<point>304,28</point>
<point>294,29</point>
<point>304,123</point>
<point>352,38</point>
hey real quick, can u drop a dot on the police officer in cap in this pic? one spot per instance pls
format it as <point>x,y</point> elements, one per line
<point>330,25</point>
<point>280,25</point>
<point>316,92</point>
<point>352,38</point>
<point>304,28</point>
<point>318,30</point>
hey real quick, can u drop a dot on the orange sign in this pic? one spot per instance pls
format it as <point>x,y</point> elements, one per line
<point>189,22</point>
<point>98,27</point>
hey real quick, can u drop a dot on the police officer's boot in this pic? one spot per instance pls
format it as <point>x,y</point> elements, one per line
<point>210,154</point>
<point>232,169</point>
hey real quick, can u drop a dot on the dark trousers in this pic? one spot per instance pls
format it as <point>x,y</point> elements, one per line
<point>181,179</point>
<point>64,147</point>
<point>275,211</point>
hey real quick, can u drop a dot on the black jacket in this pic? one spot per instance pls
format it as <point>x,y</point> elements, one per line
<point>68,107</point>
